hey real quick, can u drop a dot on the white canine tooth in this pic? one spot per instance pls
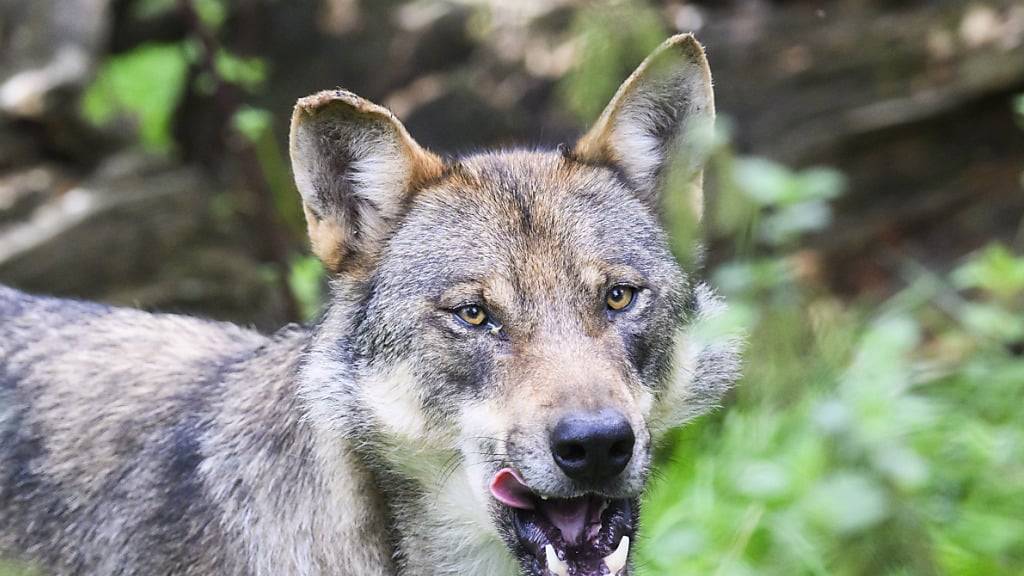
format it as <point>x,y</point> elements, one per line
<point>555,566</point>
<point>616,561</point>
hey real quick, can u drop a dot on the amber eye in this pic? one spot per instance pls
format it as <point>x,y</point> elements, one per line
<point>620,297</point>
<point>473,315</point>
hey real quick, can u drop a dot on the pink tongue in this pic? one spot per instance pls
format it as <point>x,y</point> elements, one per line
<point>508,488</point>
<point>569,516</point>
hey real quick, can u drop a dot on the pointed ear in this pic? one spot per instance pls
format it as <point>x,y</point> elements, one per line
<point>355,167</point>
<point>655,121</point>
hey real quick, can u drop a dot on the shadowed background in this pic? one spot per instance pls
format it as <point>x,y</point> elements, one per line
<point>867,224</point>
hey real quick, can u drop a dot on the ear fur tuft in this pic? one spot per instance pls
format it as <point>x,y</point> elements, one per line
<point>355,166</point>
<point>650,126</point>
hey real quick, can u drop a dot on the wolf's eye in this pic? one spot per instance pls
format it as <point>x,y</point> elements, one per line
<point>619,297</point>
<point>473,315</point>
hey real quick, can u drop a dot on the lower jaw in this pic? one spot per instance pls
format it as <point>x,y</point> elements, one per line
<point>601,553</point>
<point>613,564</point>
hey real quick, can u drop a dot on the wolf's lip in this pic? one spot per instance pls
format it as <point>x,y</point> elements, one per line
<point>583,536</point>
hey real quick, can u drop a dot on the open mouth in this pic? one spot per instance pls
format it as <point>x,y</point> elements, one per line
<point>584,536</point>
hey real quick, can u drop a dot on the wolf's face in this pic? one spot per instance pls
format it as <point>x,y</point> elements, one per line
<point>534,301</point>
<point>508,323</point>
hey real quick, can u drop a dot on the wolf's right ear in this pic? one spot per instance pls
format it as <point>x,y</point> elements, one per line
<point>654,123</point>
<point>355,167</point>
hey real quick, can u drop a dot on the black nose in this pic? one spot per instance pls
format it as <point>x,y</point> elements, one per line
<point>592,446</point>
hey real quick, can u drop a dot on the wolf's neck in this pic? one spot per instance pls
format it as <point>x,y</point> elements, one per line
<point>300,503</point>
<point>442,528</point>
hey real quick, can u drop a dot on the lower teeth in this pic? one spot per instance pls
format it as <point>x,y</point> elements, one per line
<point>555,566</point>
<point>615,561</point>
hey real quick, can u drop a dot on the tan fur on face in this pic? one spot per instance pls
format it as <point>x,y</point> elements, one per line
<point>561,374</point>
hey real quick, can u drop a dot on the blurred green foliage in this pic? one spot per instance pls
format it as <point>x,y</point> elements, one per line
<point>255,125</point>
<point>878,438</point>
<point>861,441</point>
<point>306,280</point>
<point>144,85</point>
<point>249,73</point>
<point>613,38</point>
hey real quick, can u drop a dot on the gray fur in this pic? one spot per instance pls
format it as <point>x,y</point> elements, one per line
<point>141,444</point>
<point>151,444</point>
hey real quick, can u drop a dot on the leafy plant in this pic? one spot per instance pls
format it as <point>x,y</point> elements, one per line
<point>306,280</point>
<point>859,443</point>
<point>613,37</point>
<point>144,85</point>
<point>880,438</point>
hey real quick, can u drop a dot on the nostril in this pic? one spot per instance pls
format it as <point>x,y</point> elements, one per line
<point>622,449</point>
<point>571,452</point>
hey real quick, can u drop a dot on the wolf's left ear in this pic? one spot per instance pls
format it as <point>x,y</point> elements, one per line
<point>655,121</point>
<point>355,167</point>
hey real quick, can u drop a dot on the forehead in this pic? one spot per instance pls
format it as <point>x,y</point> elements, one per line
<point>519,220</point>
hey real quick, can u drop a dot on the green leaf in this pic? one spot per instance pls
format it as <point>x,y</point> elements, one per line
<point>995,270</point>
<point>212,13</point>
<point>306,280</point>
<point>767,183</point>
<point>145,86</point>
<point>992,321</point>
<point>249,73</point>
<point>848,503</point>
<point>789,222</point>
<point>746,277</point>
<point>820,183</point>
<point>253,123</point>
<point>762,480</point>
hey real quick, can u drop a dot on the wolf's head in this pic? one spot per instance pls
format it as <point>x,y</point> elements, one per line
<point>507,333</point>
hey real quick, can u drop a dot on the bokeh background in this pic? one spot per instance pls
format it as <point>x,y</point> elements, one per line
<point>866,224</point>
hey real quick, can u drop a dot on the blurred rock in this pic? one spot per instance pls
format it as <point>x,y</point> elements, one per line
<point>132,233</point>
<point>22,191</point>
<point>76,221</point>
<point>799,80</point>
<point>47,47</point>
<point>913,105</point>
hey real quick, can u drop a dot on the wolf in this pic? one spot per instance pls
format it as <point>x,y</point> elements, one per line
<point>508,337</point>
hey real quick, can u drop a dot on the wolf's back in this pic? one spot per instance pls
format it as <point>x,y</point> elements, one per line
<point>101,411</point>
